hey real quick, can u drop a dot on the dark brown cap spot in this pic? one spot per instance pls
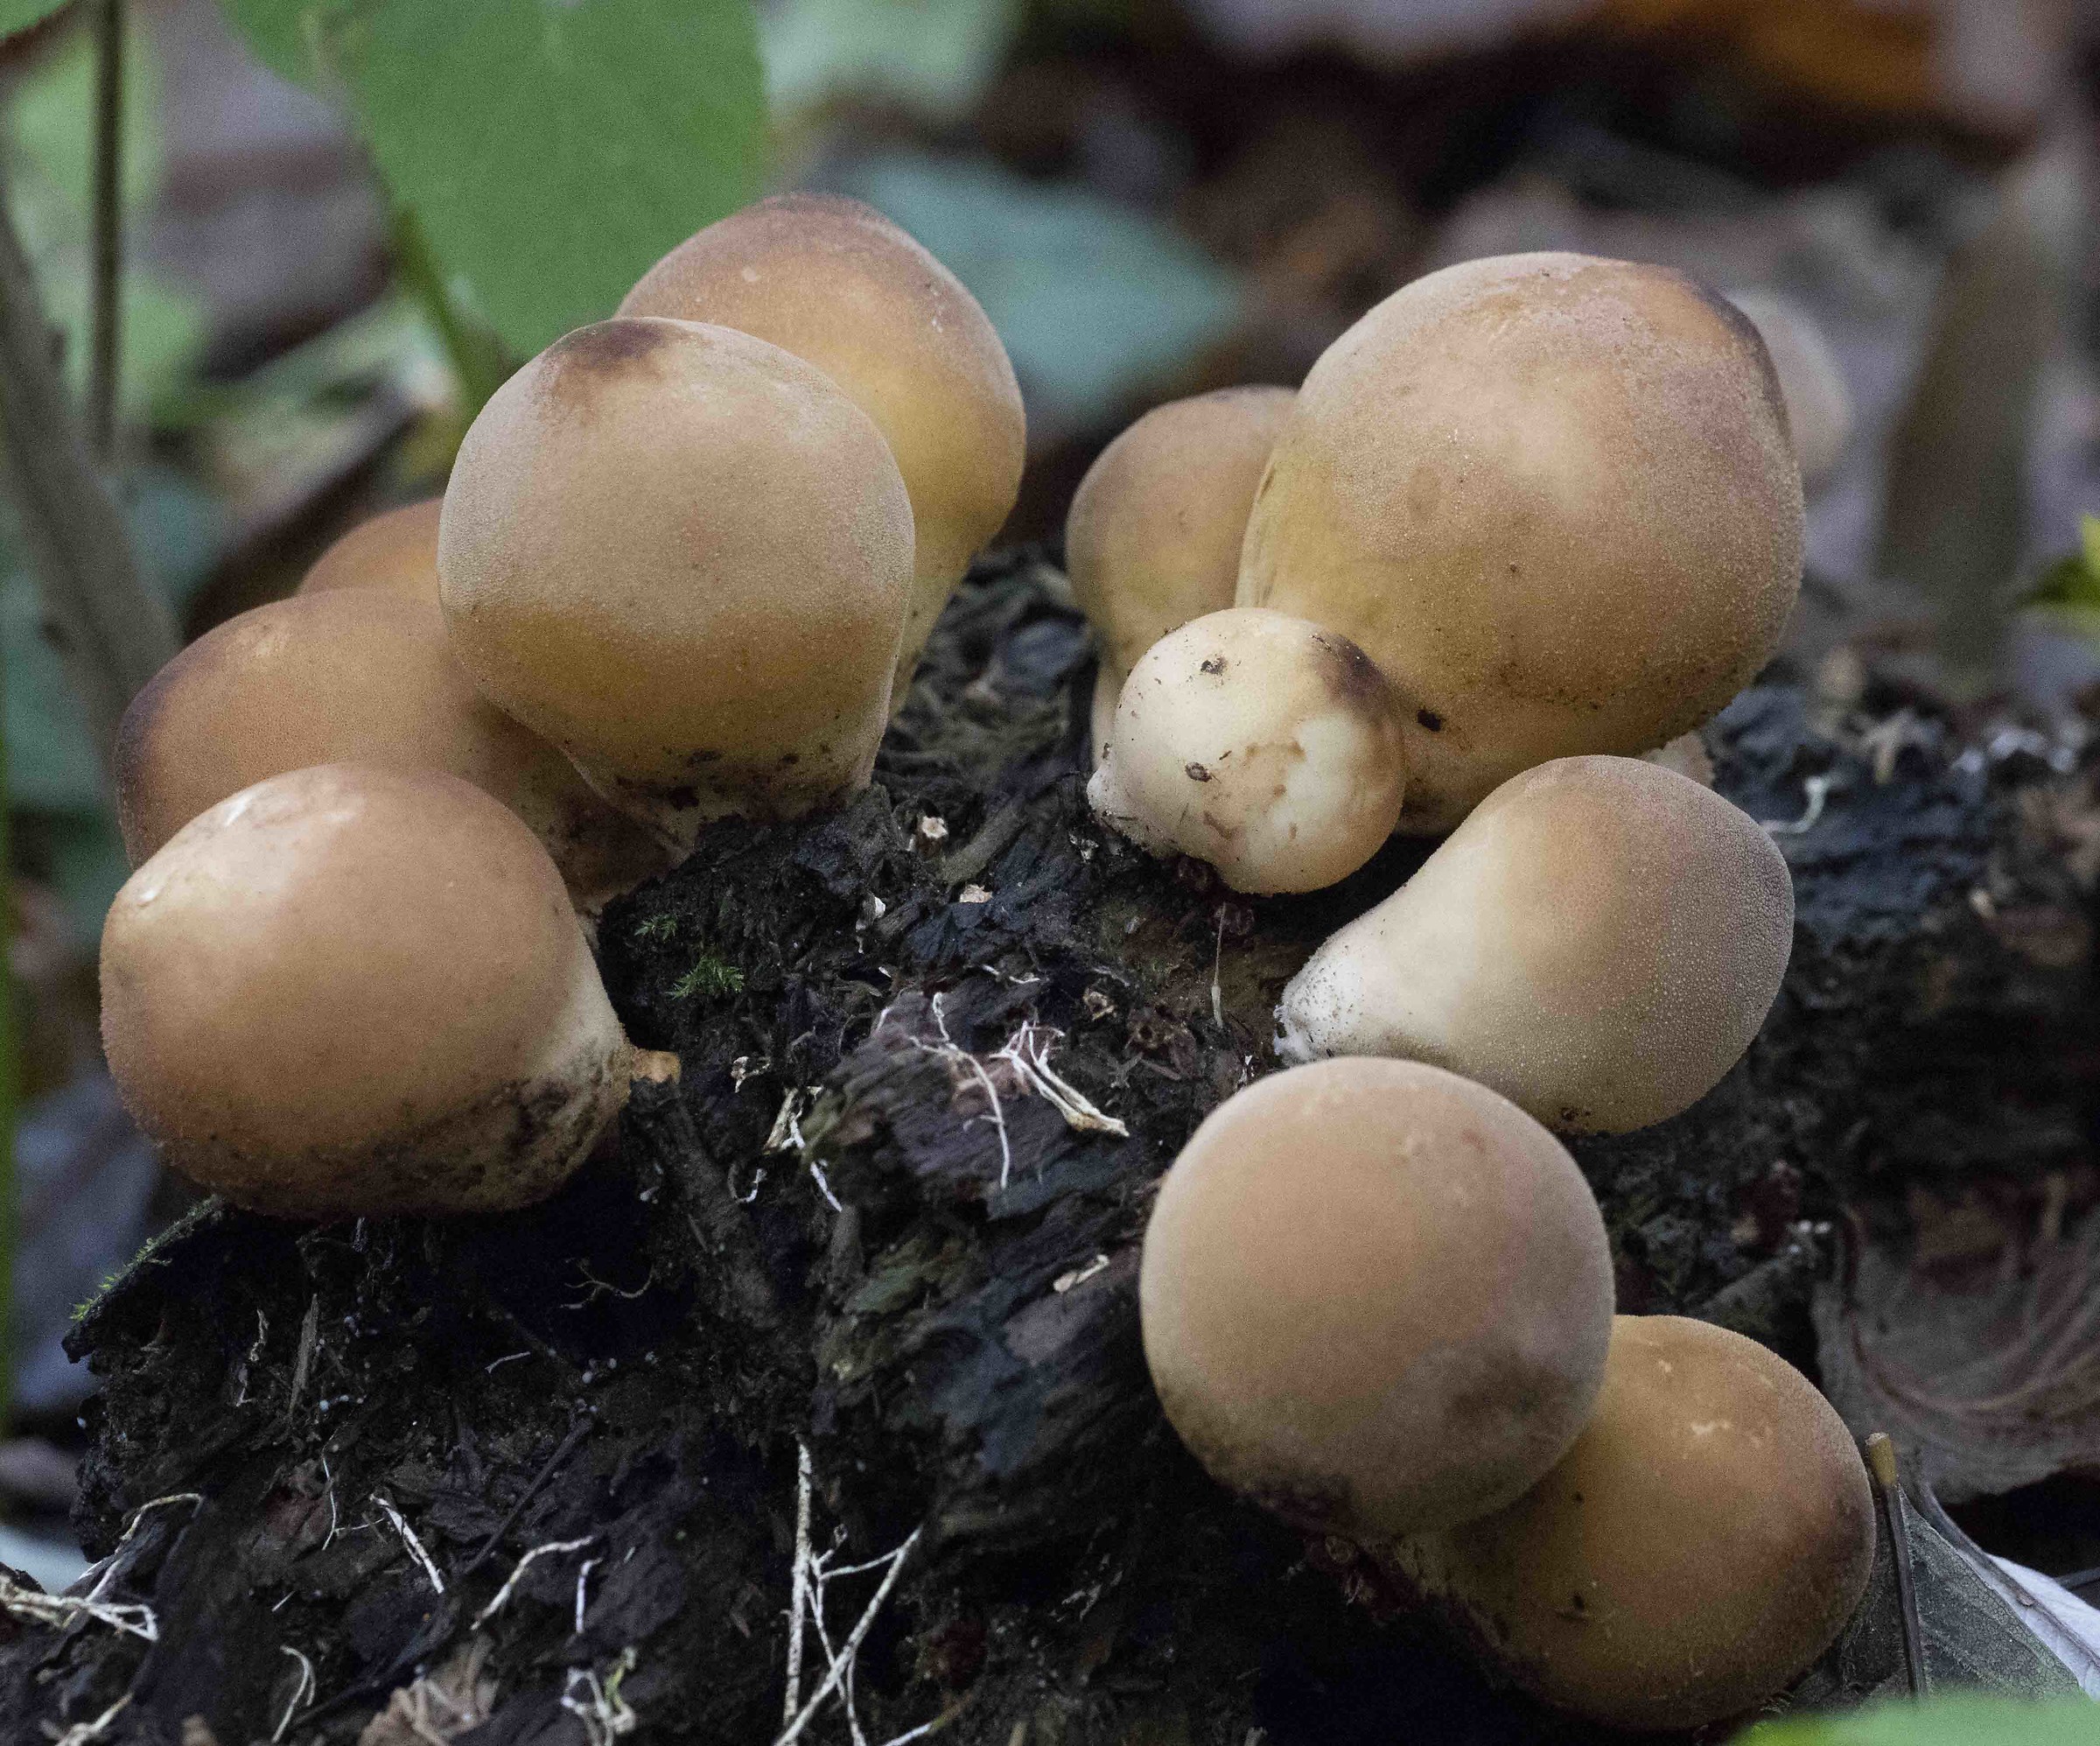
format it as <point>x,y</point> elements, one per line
<point>1429,719</point>
<point>577,362</point>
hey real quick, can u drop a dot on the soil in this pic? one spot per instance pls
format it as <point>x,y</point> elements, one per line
<point>858,1227</point>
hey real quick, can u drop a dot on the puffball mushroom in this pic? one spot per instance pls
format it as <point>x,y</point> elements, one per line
<point>684,558</point>
<point>837,285</point>
<point>1375,1297</point>
<point>1154,537</point>
<point>1600,942</point>
<point>1552,497</point>
<point>1702,1542</point>
<point>349,990</point>
<point>360,674</point>
<point>1819,405</point>
<point>397,550</point>
<point>1259,743</point>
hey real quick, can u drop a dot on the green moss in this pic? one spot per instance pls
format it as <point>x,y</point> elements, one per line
<point>715,977</point>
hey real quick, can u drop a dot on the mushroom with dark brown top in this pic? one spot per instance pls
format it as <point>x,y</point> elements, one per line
<point>1555,499</point>
<point>840,286</point>
<point>684,556</point>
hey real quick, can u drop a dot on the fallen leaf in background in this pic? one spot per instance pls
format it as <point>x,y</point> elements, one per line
<point>1985,1373</point>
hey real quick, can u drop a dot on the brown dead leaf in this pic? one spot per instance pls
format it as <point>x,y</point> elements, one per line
<point>1988,1377</point>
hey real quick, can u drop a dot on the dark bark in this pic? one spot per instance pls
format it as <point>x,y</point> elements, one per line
<point>956,1343</point>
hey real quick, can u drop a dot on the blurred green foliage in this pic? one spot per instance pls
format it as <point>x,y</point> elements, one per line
<point>2070,589</point>
<point>1945,1722</point>
<point>50,172</point>
<point>548,152</point>
<point>1096,302</point>
<point>20,14</point>
<point>933,58</point>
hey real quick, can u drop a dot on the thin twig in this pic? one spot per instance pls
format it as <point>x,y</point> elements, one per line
<point>113,632</point>
<point>302,1693</point>
<point>414,1545</point>
<point>582,1576</point>
<point>134,1618</point>
<point>86,1733</point>
<point>575,1433</point>
<point>510,1582</point>
<point>109,227</point>
<point>799,1591</point>
<point>104,1569</point>
<point>851,1646</point>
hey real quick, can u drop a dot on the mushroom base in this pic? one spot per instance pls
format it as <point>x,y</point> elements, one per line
<point>511,1147</point>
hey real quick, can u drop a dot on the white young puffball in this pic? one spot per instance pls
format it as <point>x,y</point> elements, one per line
<point>1552,497</point>
<point>1599,942</point>
<point>1257,742</point>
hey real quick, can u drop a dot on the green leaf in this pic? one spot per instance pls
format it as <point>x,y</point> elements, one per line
<point>1097,302</point>
<point>550,150</point>
<point>935,57</point>
<point>20,14</point>
<point>1945,1722</point>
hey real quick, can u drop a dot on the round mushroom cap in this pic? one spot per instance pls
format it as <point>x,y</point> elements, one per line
<point>354,675</point>
<point>350,991</point>
<point>1154,537</point>
<point>1262,744</point>
<point>837,285</point>
<point>1819,405</point>
<point>1552,497</point>
<point>1375,1297</point>
<point>684,556</point>
<point>1702,1542</point>
<point>1599,942</point>
<point>397,550</point>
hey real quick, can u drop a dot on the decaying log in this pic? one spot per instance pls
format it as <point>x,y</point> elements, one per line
<point>937,1049</point>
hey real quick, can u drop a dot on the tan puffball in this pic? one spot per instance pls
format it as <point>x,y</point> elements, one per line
<point>1819,405</point>
<point>1599,942</point>
<point>1552,497</point>
<point>1704,1541</point>
<point>684,556</point>
<point>1259,743</point>
<point>1154,537</point>
<point>351,990</point>
<point>397,550</point>
<point>354,675</point>
<point>1375,1297</point>
<point>836,283</point>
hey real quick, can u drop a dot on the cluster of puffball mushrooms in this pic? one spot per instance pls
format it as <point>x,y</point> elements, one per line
<point>1525,526</point>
